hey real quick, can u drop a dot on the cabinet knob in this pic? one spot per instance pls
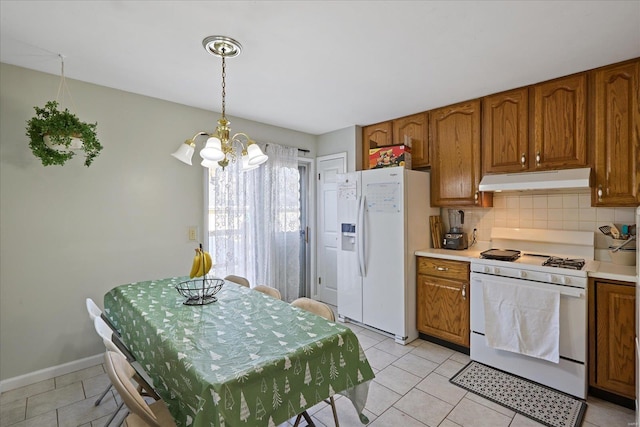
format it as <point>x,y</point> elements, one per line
<point>442,269</point>
<point>476,197</point>
<point>538,158</point>
<point>600,193</point>
<point>464,291</point>
<point>523,159</point>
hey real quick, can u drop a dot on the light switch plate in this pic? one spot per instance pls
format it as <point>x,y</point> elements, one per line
<point>193,233</point>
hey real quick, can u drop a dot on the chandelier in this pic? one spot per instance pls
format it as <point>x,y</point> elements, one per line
<point>219,148</point>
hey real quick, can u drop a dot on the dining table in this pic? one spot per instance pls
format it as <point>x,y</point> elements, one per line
<point>246,359</point>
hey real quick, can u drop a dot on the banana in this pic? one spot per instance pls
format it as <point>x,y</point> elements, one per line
<point>201,264</point>
<point>207,262</point>
<point>196,266</point>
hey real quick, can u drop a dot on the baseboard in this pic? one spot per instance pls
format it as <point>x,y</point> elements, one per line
<point>48,373</point>
<point>612,397</point>
<point>444,343</point>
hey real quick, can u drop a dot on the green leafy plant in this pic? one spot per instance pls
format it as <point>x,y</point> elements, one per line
<point>60,127</point>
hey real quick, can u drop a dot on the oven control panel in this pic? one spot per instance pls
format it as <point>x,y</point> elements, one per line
<point>544,274</point>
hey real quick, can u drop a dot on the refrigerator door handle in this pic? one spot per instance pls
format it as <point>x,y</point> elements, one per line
<point>361,233</point>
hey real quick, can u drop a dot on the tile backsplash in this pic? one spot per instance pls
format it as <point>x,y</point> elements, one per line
<point>554,211</point>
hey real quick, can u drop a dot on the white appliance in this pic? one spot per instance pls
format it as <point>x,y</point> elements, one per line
<point>551,260</point>
<point>383,218</point>
<point>542,180</point>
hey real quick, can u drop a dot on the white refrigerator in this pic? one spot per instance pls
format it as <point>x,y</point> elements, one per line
<point>383,218</point>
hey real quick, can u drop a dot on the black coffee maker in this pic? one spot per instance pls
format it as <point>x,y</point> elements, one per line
<point>456,238</point>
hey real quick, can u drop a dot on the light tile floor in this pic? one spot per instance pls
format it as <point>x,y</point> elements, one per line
<point>411,389</point>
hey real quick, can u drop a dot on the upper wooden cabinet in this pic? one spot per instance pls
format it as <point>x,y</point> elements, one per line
<point>454,140</point>
<point>616,107</point>
<point>505,132</point>
<point>414,127</point>
<point>395,132</point>
<point>560,124</point>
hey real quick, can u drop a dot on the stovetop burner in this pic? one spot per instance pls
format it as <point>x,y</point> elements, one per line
<point>571,263</point>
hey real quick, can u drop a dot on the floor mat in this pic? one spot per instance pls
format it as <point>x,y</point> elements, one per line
<point>540,403</point>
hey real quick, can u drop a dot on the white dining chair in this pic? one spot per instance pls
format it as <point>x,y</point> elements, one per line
<point>268,290</point>
<point>94,311</point>
<point>145,385</point>
<point>141,414</point>
<point>104,332</point>
<point>113,343</point>
<point>238,279</point>
<point>322,310</point>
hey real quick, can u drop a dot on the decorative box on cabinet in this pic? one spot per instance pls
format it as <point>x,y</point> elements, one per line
<point>616,107</point>
<point>415,129</point>
<point>443,299</point>
<point>374,136</point>
<point>411,130</point>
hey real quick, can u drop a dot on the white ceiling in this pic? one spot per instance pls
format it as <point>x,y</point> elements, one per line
<point>319,66</point>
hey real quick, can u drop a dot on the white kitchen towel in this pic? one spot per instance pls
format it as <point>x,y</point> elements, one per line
<point>522,319</point>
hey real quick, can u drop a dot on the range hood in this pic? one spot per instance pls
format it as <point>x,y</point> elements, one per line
<point>545,180</point>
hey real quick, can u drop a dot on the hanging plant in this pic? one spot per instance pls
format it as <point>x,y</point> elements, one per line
<point>55,134</point>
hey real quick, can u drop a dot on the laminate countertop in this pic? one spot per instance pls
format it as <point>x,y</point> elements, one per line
<point>598,269</point>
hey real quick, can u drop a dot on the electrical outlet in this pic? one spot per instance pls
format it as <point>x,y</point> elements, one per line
<point>193,233</point>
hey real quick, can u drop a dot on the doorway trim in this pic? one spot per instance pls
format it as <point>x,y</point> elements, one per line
<point>311,222</point>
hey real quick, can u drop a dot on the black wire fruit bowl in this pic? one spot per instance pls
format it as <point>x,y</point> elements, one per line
<point>200,291</point>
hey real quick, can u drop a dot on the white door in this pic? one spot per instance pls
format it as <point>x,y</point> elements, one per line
<point>326,282</point>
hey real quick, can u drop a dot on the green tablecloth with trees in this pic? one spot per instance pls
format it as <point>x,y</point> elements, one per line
<point>244,360</point>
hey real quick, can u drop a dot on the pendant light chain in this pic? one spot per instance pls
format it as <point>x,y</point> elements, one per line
<point>224,75</point>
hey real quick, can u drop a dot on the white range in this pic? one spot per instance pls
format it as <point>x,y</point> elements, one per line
<point>539,299</point>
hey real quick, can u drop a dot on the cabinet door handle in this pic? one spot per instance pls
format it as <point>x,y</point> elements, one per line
<point>538,158</point>
<point>464,291</point>
<point>523,159</point>
<point>442,268</point>
<point>476,197</point>
<point>600,193</point>
<point>449,288</point>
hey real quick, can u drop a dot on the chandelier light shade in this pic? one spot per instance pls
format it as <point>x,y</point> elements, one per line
<point>220,149</point>
<point>184,153</point>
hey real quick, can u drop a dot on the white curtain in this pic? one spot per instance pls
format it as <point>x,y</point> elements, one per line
<point>254,221</point>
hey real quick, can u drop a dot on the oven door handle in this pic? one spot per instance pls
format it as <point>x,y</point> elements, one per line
<point>575,293</point>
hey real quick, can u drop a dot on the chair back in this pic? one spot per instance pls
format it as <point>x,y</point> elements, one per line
<point>121,372</point>
<point>268,290</point>
<point>238,279</point>
<point>315,307</point>
<point>93,309</point>
<point>106,333</point>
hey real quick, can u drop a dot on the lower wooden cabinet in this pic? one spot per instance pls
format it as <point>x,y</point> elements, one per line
<point>612,336</point>
<point>443,299</point>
